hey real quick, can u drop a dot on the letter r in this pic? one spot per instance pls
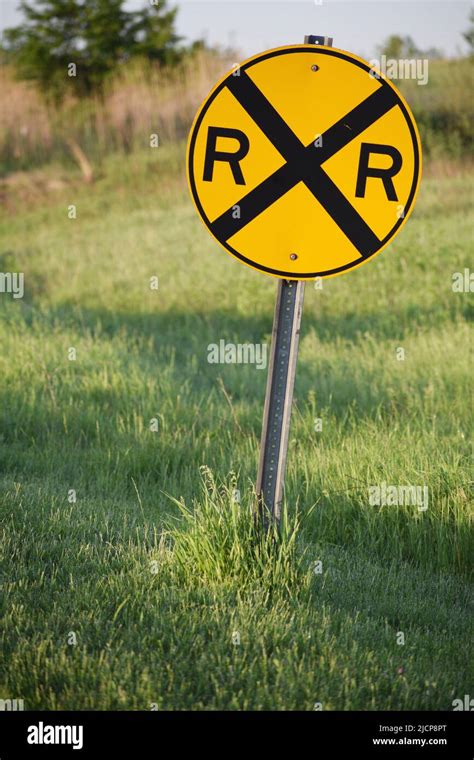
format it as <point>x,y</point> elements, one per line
<point>233,159</point>
<point>384,174</point>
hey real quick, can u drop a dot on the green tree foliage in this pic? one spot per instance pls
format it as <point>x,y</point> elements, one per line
<point>95,35</point>
<point>398,47</point>
<point>401,48</point>
<point>469,34</point>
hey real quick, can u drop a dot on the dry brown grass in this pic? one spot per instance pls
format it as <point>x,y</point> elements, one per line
<point>440,168</point>
<point>24,122</point>
<point>140,100</point>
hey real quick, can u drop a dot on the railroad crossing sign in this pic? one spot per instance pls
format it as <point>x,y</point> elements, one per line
<point>303,162</point>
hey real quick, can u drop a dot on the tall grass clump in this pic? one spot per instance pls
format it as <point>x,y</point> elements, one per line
<point>221,542</point>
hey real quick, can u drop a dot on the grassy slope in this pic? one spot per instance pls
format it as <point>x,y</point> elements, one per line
<point>154,623</point>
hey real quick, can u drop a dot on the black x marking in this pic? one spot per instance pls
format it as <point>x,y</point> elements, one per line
<point>303,163</point>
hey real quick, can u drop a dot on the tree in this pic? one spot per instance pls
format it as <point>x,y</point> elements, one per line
<point>469,34</point>
<point>74,45</point>
<point>398,47</point>
<point>401,48</point>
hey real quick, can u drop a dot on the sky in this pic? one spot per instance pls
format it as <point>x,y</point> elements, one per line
<point>356,25</point>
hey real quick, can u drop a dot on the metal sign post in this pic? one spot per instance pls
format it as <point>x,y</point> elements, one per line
<point>280,384</point>
<point>279,397</point>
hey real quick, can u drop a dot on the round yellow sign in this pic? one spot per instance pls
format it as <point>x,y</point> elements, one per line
<point>304,162</point>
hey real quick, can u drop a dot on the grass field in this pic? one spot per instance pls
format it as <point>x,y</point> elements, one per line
<point>138,593</point>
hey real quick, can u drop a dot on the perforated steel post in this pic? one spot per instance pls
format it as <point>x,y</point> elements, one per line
<point>279,396</point>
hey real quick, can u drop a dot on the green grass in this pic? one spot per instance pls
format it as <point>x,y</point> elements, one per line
<point>154,568</point>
